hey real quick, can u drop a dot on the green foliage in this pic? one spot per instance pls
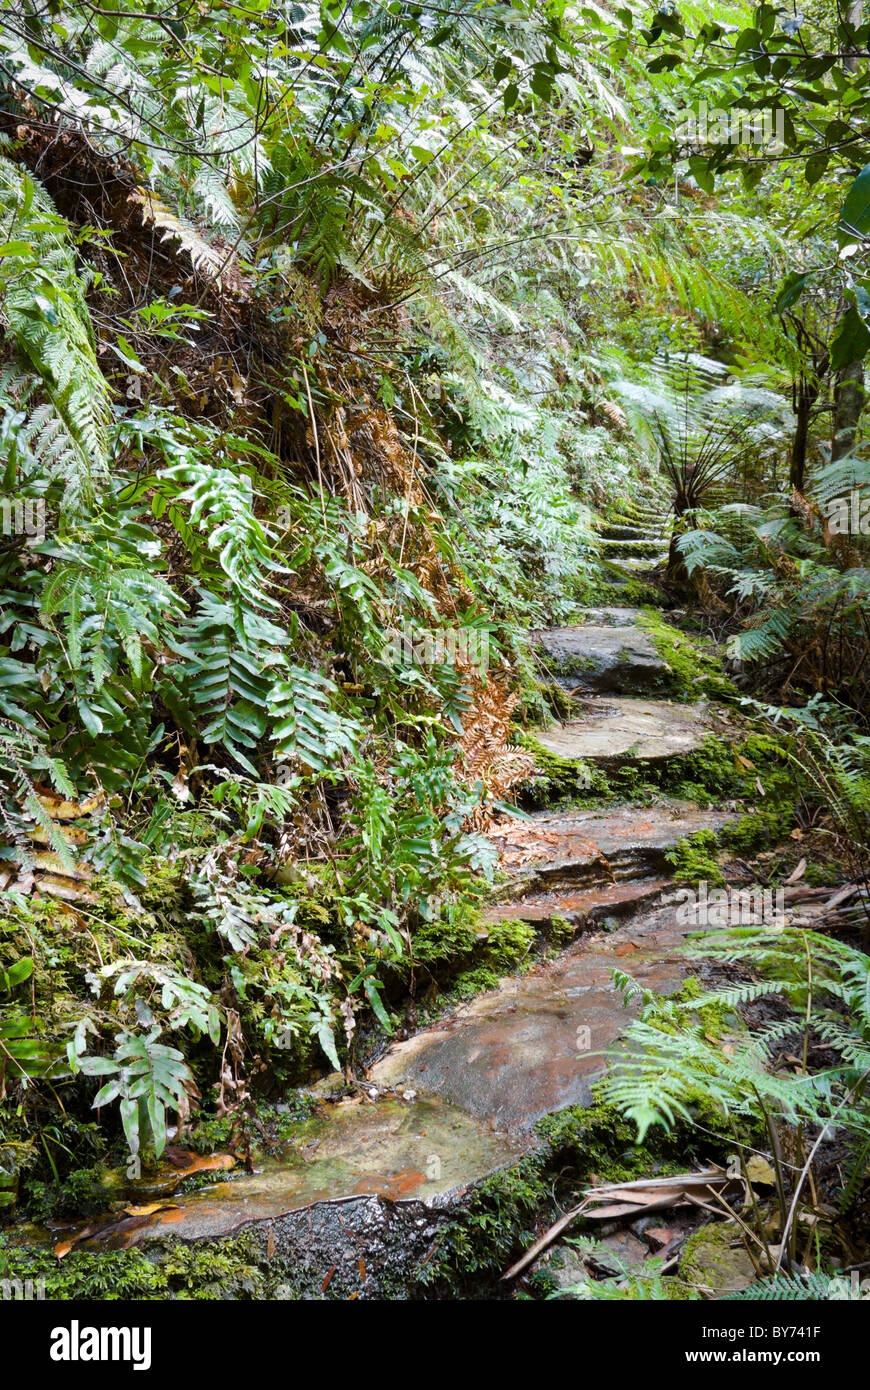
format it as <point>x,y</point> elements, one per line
<point>231,1268</point>
<point>693,859</point>
<point>672,1058</point>
<point>43,311</point>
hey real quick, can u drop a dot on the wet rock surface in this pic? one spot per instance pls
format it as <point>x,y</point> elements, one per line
<point>579,909</point>
<point>391,1149</point>
<point>352,1204</point>
<point>571,849</point>
<point>529,1048</point>
<point>716,1263</point>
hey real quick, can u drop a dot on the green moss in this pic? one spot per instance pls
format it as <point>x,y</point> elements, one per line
<point>580,1145</point>
<point>232,1268</point>
<point>693,859</point>
<point>822,875</point>
<point>630,593</point>
<point>713,1019</point>
<point>693,671</point>
<point>561,931</point>
<point>558,779</point>
<point>471,955</point>
<point>714,1259</point>
<point>711,774</point>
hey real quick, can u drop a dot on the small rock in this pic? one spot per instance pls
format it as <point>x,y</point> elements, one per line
<point>328,1086</point>
<point>716,1262</point>
<point>660,1236</point>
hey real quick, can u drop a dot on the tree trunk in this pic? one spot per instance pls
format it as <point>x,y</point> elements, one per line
<point>848,405</point>
<point>805,398</point>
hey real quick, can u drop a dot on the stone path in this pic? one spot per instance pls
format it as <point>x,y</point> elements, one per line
<point>366,1182</point>
<point>531,1047</point>
<point>613,729</point>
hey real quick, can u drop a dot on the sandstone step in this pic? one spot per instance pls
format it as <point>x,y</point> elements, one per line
<point>605,617</point>
<point>613,729</point>
<point>619,549</point>
<point>625,531</point>
<point>359,1180</point>
<point>602,658</point>
<point>529,1048</point>
<point>582,908</point>
<point>637,563</point>
<point>579,848</point>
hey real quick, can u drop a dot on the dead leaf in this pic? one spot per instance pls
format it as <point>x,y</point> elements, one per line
<point>180,787</point>
<point>199,1163</point>
<point>612,1200</point>
<point>150,1209</point>
<point>759,1170</point>
<point>797,872</point>
<point>58,808</point>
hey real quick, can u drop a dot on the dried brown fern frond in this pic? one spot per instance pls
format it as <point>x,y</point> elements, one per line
<point>485,751</point>
<point>207,260</point>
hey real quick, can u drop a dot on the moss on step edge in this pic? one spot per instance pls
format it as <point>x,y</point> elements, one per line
<point>694,672</point>
<point>503,1214</point>
<point>711,774</point>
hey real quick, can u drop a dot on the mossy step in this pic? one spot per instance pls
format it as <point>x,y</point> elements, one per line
<point>656,510</point>
<point>639,563</point>
<point>606,657</point>
<point>574,850</point>
<point>622,531</point>
<point>355,1198</point>
<point>581,909</point>
<point>533,1047</point>
<point>618,548</point>
<point>653,516</point>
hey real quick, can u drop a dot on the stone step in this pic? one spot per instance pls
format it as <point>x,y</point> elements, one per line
<point>605,617</point>
<point>359,1180</point>
<point>530,1047</point>
<point>583,908</point>
<point>622,531</point>
<point>638,563</point>
<point>618,549</point>
<point>652,520</point>
<point>580,849</point>
<point>605,657</point>
<point>654,514</point>
<point>613,730</point>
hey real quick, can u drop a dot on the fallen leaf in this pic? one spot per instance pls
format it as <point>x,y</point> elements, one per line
<point>57,808</point>
<point>759,1170</point>
<point>150,1209</point>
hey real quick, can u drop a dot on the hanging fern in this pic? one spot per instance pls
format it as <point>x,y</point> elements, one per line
<point>42,308</point>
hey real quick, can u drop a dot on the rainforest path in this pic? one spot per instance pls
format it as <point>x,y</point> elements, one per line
<point>357,1198</point>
